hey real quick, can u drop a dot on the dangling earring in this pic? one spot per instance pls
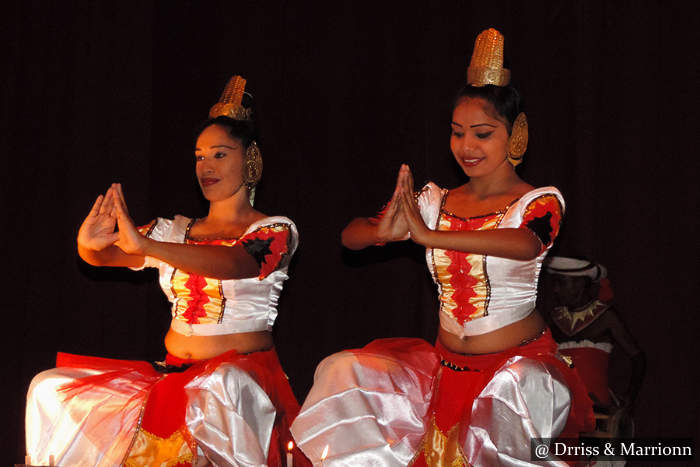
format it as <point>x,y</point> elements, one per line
<point>252,169</point>
<point>517,141</point>
<point>252,166</point>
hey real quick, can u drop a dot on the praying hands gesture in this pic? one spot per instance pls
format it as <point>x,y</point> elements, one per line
<point>107,236</point>
<point>130,239</point>
<point>97,231</point>
<point>99,244</point>
<point>392,225</point>
<point>109,212</point>
<point>400,220</point>
<point>408,208</point>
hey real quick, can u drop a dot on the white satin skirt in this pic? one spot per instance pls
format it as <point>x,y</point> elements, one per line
<point>228,414</point>
<point>372,407</point>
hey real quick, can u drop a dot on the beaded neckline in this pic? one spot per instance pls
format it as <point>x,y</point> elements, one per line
<point>197,240</point>
<point>493,213</point>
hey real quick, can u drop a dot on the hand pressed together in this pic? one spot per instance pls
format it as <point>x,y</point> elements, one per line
<point>130,240</point>
<point>409,209</point>
<point>97,230</point>
<point>109,212</point>
<point>393,226</point>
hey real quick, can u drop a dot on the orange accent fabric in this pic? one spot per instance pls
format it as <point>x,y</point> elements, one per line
<point>279,246</point>
<point>540,208</point>
<point>442,449</point>
<point>199,298</point>
<point>462,277</point>
<point>149,449</point>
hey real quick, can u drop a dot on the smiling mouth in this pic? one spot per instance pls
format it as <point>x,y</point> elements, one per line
<point>471,162</point>
<point>209,181</point>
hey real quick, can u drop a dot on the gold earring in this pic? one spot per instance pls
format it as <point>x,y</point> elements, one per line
<point>253,165</point>
<point>517,141</point>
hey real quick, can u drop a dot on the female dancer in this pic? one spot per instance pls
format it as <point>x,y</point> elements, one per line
<point>493,380</point>
<point>221,394</point>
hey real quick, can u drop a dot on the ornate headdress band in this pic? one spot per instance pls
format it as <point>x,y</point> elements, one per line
<point>486,66</point>
<point>230,104</point>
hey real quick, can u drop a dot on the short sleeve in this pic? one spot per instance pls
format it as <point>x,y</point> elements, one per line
<point>543,216</point>
<point>147,229</point>
<point>271,245</point>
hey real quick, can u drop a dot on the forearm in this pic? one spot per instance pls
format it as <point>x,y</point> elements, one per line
<point>360,233</point>
<point>110,256</point>
<point>218,262</point>
<point>518,244</point>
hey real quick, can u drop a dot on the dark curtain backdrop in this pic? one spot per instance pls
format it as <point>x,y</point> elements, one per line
<point>95,92</point>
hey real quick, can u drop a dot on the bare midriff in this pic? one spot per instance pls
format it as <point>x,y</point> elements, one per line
<point>501,339</point>
<point>203,347</point>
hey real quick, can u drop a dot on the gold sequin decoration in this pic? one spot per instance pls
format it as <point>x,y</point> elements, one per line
<point>229,104</point>
<point>486,65</point>
<point>149,449</point>
<point>440,450</point>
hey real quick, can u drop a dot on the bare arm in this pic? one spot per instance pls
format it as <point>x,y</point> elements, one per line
<point>519,244</point>
<point>218,262</point>
<point>361,232</point>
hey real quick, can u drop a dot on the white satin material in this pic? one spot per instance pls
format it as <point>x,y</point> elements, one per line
<point>586,344</point>
<point>250,304</point>
<point>525,399</point>
<point>512,283</point>
<point>92,428</point>
<point>369,409</point>
<point>230,416</point>
<point>372,410</point>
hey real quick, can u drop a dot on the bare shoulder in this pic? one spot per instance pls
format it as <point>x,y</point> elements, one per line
<point>257,216</point>
<point>520,188</point>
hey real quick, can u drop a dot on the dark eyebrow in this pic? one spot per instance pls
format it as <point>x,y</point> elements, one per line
<point>456,124</point>
<point>219,146</point>
<point>482,124</point>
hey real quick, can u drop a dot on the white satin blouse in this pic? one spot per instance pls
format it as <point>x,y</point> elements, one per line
<point>204,306</point>
<point>482,293</point>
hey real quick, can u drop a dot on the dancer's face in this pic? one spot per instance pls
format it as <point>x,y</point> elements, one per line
<point>219,165</point>
<point>479,138</point>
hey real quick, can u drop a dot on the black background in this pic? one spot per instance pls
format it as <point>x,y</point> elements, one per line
<point>96,92</point>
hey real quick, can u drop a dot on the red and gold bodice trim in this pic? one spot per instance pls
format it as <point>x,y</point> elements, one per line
<point>462,277</point>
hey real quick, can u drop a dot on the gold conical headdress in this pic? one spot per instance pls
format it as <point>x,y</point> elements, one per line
<point>230,103</point>
<point>486,66</point>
